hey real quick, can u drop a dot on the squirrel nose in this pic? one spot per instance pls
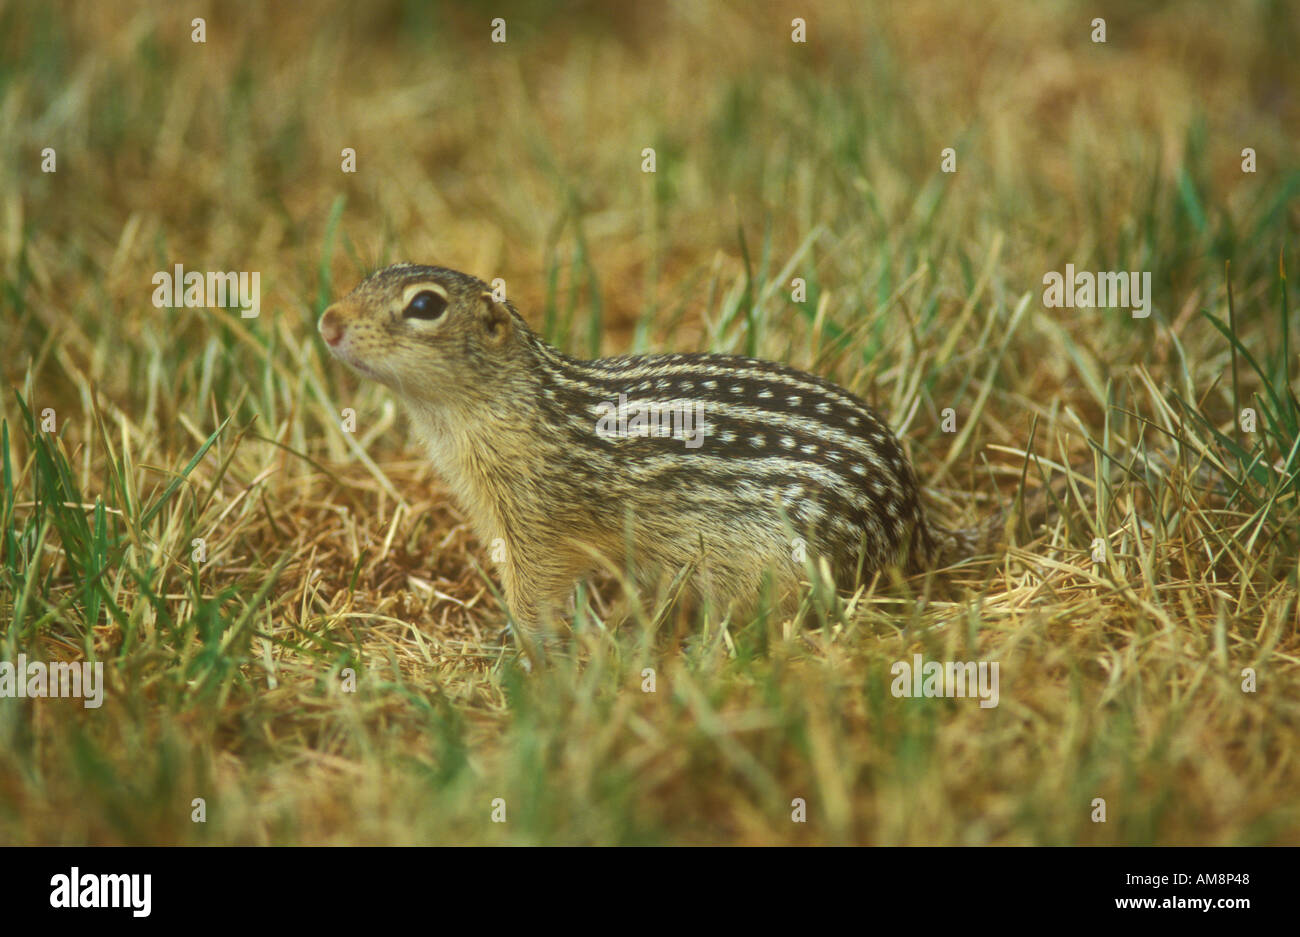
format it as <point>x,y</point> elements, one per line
<point>331,326</point>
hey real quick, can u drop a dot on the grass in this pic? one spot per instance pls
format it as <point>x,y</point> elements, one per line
<point>197,521</point>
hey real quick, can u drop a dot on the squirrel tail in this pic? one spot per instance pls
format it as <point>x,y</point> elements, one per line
<point>936,546</point>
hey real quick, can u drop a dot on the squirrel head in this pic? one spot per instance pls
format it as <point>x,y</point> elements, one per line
<point>425,332</point>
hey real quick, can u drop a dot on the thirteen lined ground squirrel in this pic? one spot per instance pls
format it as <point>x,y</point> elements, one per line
<point>659,463</point>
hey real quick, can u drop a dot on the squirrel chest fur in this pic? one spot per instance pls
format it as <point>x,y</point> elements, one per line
<point>735,468</point>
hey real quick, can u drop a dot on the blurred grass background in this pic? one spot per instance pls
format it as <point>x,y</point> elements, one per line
<point>522,160</point>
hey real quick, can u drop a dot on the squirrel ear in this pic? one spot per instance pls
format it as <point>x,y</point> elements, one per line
<point>495,316</point>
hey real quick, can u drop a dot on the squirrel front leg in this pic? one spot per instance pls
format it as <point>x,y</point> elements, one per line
<point>534,600</point>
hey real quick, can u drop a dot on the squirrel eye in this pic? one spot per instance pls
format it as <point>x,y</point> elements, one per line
<point>425,305</point>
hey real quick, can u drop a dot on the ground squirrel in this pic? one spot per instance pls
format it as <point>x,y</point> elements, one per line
<point>733,467</point>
